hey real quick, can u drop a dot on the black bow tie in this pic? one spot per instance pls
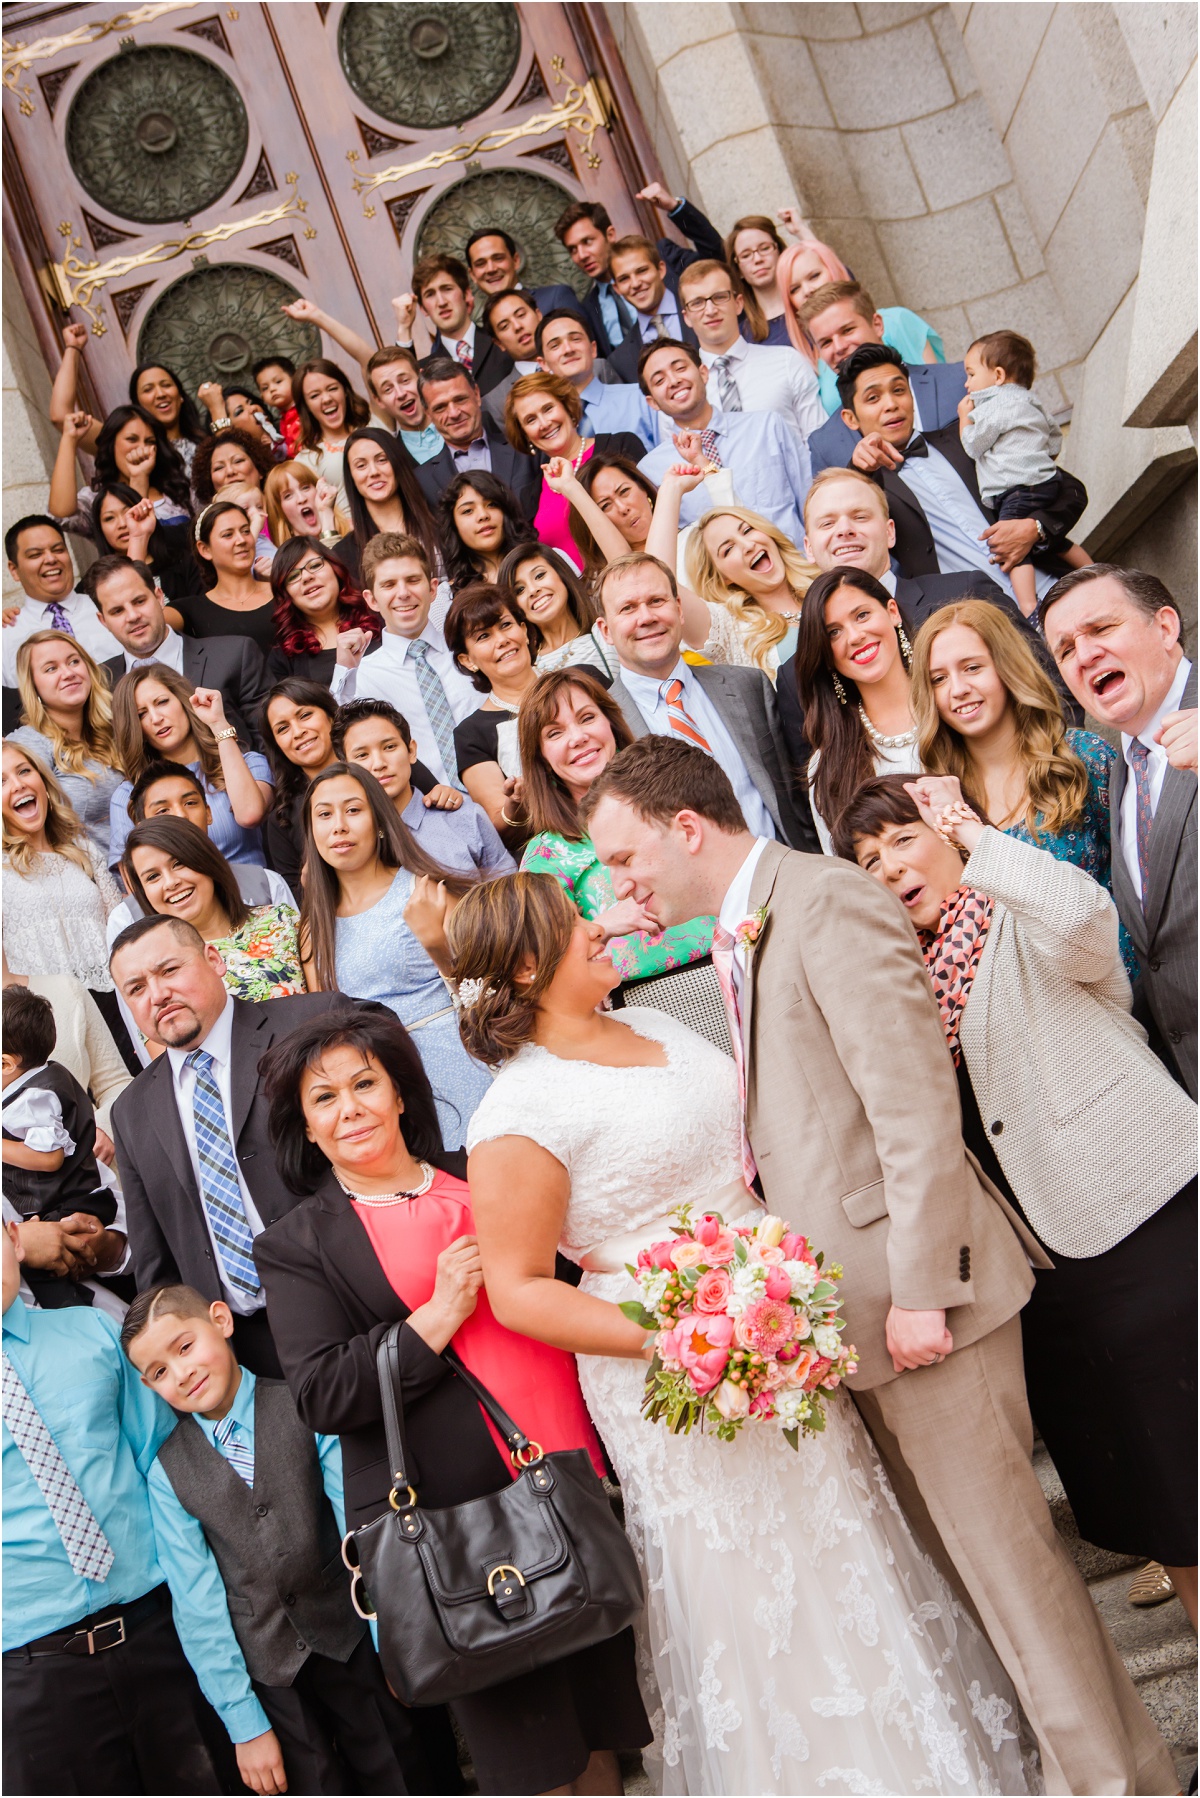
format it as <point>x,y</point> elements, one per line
<point>917,447</point>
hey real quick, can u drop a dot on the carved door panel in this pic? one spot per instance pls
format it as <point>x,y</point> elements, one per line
<point>174,173</point>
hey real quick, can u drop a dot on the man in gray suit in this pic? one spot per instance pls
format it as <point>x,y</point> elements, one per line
<point>728,712</point>
<point>1116,636</point>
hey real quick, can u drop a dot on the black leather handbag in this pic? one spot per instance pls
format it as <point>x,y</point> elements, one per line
<point>474,1594</point>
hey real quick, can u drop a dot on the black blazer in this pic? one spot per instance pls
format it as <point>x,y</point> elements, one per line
<point>233,665</point>
<point>329,1304</point>
<point>168,1236</point>
<point>706,243</point>
<point>915,550</point>
<point>521,473</point>
<point>489,364</point>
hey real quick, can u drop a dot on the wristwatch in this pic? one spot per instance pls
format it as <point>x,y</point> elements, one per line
<point>1040,528</point>
<point>223,736</point>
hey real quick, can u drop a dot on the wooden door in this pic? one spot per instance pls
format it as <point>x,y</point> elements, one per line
<point>174,172</point>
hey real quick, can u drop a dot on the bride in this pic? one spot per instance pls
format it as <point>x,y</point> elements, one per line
<point>796,1639</point>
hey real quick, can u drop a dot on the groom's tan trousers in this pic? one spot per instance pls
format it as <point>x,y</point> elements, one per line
<point>957,1442</point>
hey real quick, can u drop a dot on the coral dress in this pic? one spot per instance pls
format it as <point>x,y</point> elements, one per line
<point>536,1384</point>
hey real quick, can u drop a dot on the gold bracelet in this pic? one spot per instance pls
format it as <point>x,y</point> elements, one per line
<point>223,736</point>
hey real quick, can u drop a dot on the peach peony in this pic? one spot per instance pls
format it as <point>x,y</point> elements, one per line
<point>686,1253</point>
<point>712,1291</point>
<point>703,1347</point>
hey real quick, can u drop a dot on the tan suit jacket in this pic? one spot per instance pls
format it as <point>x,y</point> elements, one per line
<point>853,1114</point>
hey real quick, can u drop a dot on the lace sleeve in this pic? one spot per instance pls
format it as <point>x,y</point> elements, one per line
<point>519,1104</point>
<point>110,893</point>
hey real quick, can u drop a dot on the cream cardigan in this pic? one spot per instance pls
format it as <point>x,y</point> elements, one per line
<point>1094,1135</point>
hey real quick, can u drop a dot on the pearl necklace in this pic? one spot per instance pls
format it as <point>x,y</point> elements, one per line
<point>880,741</point>
<point>377,1200</point>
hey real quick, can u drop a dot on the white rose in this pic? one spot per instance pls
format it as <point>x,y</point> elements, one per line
<point>731,1401</point>
<point>826,1340</point>
<point>804,1277</point>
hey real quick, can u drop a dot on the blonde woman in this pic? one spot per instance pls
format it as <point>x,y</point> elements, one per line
<point>68,724</point>
<point>753,579</point>
<point>57,889</point>
<point>159,716</point>
<point>987,713</point>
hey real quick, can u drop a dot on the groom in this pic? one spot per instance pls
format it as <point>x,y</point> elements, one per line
<point>853,1119</point>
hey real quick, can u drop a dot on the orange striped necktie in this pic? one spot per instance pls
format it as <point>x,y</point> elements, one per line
<point>681,724</point>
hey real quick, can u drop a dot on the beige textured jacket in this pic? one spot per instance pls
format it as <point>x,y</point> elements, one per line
<point>853,1112</point>
<point>1092,1132</point>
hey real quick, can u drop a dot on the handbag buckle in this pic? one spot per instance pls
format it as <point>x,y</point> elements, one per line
<point>526,1455</point>
<point>407,1504</point>
<point>506,1584</point>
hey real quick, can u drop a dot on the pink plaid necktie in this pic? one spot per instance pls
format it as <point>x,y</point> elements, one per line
<point>463,354</point>
<point>709,449</point>
<point>722,955</point>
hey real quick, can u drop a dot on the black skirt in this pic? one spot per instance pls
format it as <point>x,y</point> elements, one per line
<point>1110,1368</point>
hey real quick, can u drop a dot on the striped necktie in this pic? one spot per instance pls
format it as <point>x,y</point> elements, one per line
<point>239,1454</point>
<point>1139,759</point>
<point>681,724</point>
<point>219,1187</point>
<point>722,956</point>
<point>88,1548</point>
<point>727,387</point>
<point>437,707</point>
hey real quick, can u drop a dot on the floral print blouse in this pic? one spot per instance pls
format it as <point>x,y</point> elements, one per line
<point>578,869</point>
<point>262,959</point>
<point>1089,842</point>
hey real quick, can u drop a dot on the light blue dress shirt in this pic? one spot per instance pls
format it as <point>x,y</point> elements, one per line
<point>618,406</point>
<point>606,297</point>
<point>237,842</point>
<point>422,445</point>
<point>465,839</point>
<point>668,310</point>
<point>956,520</point>
<point>197,1589</point>
<point>647,696</point>
<point>768,461</point>
<point>108,1428</point>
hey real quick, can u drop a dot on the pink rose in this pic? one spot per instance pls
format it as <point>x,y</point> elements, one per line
<point>686,1253</point>
<point>722,1248</point>
<point>778,1284</point>
<point>769,1257</point>
<point>660,1254</point>
<point>704,1348</point>
<point>643,1260</point>
<point>708,1229</point>
<point>762,1406</point>
<point>712,1291</point>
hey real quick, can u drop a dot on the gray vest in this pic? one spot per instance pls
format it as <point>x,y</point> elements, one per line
<point>276,1544</point>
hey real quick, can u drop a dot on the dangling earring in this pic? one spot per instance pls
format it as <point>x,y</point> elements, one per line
<point>839,689</point>
<point>905,647</point>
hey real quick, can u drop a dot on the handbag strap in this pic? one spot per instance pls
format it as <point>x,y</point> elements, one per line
<point>387,1361</point>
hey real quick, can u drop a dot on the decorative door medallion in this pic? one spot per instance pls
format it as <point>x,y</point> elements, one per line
<point>174,173</point>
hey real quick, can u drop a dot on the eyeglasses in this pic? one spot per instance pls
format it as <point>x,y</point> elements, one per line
<point>303,568</point>
<point>757,254</point>
<point>695,307</point>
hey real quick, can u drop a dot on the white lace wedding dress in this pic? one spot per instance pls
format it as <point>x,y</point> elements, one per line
<point>795,1637</point>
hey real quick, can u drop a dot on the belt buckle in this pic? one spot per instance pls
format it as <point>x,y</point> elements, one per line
<point>92,1637</point>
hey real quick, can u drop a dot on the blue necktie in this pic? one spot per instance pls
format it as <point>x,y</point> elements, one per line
<point>88,1548</point>
<point>219,1186</point>
<point>239,1456</point>
<point>436,705</point>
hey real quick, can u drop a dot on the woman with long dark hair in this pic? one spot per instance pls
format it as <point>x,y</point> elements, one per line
<point>297,728</point>
<point>130,447</point>
<point>234,603</point>
<point>159,716</point>
<point>316,605</point>
<point>383,494</point>
<point>328,409</point>
<point>479,522</point>
<point>368,888</point>
<point>173,868</point>
<point>160,392</point>
<point>553,597</point>
<point>389,1237</point>
<point>126,524</point>
<point>852,674</point>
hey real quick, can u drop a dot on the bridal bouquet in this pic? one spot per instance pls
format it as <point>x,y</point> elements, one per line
<point>747,1323</point>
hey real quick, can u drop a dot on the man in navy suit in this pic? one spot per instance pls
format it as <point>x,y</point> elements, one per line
<point>839,317</point>
<point>495,264</point>
<point>469,439</point>
<point>587,234</point>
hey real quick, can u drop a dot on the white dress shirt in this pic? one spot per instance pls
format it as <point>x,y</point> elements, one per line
<point>219,1044</point>
<point>735,909</point>
<point>770,377</point>
<point>956,520</point>
<point>388,674</point>
<point>766,460</point>
<point>35,616</point>
<point>1157,765</point>
<point>647,696</point>
<point>170,651</point>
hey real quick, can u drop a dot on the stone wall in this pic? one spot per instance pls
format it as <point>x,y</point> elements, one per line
<point>30,440</point>
<point>1030,165</point>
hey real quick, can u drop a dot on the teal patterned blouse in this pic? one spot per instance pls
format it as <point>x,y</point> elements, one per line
<point>1088,843</point>
<point>577,868</point>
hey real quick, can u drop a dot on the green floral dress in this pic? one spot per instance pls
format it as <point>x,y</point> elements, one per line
<point>577,868</point>
<point>262,959</point>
